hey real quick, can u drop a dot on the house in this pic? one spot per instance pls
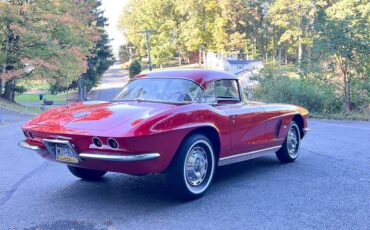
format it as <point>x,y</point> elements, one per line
<point>216,61</point>
<point>233,63</point>
<point>239,66</point>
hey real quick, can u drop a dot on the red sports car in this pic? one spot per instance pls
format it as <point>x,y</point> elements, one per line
<point>183,123</point>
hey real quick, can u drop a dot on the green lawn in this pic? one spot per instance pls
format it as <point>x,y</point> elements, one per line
<point>37,85</point>
<point>34,110</point>
<point>30,97</point>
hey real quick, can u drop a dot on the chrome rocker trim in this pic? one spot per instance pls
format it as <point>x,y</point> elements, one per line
<point>246,156</point>
<point>120,158</point>
<point>25,145</point>
<point>306,130</point>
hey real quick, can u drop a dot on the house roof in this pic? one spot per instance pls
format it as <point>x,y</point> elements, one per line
<point>202,76</point>
<point>242,62</point>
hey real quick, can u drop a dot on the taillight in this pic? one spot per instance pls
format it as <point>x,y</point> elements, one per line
<point>97,142</point>
<point>113,143</point>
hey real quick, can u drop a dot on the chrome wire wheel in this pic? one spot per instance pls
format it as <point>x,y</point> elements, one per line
<point>199,166</point>
<point>293,141</point>
<point>196,166</point>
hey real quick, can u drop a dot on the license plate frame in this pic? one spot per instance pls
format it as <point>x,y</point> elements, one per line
<point>62,150</point>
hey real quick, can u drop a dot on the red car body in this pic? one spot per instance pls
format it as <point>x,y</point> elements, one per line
<point>150,133</point>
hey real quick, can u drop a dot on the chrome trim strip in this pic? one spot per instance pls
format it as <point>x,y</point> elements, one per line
<point>63,137</point>
<point>25,145</point>
<point>246,156</point>
<point>306,129</point>
<point>57,141</point>
<point>120,158</point>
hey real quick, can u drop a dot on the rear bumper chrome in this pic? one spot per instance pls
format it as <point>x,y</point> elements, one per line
<point>98,156</point>
<point>25,145</point>
<point>120,158</point>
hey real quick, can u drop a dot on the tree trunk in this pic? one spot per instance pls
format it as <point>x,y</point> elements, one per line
<point>349,102</point>
<point>81,91</point>
<point>200,57</point>
<point>204,58</point>
<point>9,90</point>
<point>6,47</point>
<point>346,85</point>
<point>286,57</point>
<point>179,60</point>
<point>279,55</point>
<point>300,49</point>
<point>347,92</point>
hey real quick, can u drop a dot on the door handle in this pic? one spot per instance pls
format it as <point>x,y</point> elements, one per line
<point>232,118</point>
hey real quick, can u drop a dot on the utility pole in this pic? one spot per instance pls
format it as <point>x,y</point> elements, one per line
<point>129,47</point>
<point>148,33</point>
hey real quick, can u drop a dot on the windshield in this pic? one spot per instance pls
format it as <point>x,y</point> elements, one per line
<point>172,90</point>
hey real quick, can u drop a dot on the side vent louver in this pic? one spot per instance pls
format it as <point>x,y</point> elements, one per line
<point>277,128</point>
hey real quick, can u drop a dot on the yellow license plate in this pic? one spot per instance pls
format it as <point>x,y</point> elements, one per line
<point>66,154</point>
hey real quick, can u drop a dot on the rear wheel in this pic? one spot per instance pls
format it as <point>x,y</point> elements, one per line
<point>86,174</point>
<point>290,148</point>
<point>192,168</point>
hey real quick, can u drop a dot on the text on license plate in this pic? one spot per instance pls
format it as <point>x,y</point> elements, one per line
<point>65,153</point>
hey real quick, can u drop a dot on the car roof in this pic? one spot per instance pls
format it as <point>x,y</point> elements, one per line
<point>201,76</point>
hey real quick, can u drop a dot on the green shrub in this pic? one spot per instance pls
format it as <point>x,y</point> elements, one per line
<point>134,68</point>
<point>309,93</point>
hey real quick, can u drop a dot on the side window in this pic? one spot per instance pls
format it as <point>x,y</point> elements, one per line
<point>227,89</point>
<point>209,96</point>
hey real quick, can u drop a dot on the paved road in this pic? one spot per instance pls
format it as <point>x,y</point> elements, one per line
<point>328,187</point>
<point>111,84</point>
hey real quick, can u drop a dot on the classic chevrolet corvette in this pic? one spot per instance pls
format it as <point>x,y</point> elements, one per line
<point>182,123</point>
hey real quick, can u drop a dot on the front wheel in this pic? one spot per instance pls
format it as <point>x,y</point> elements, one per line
<point>86,174</point>
<point>192,168</point>
<point>290,148</point>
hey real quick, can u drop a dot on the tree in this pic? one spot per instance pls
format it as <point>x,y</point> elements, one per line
<point>124,54</point>
<point>101,56</point>
<point>45,39</point>
<point>134,68</point>
<point>141,15</point>
<point>127,52</point>
<point>343,46</point>
<point>100,60</point>
<point>295,18</point>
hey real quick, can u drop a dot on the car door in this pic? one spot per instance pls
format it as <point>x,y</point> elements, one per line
<point>247,132</point>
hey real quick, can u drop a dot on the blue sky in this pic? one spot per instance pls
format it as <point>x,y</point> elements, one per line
<point>112,10</point>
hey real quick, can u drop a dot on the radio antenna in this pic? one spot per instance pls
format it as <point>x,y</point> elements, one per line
<point>67,93</point>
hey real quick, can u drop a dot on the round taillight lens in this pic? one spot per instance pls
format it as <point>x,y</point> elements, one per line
<point>113,143</point>
<point>97,142</point>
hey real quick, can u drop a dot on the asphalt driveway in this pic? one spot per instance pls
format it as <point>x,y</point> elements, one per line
<point>113,80</point>
<point>328,187</point>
